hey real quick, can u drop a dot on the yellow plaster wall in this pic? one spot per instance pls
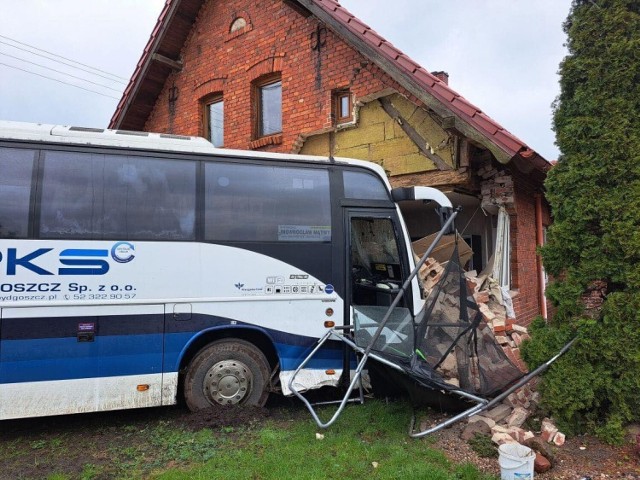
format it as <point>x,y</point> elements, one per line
<point>379,138</point>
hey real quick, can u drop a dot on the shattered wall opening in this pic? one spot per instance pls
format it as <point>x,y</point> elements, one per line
<point>476,226</point>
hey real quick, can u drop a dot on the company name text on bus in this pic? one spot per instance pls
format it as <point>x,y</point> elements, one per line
<point>75,261</point>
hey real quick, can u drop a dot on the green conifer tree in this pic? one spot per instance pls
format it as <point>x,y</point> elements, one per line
<point>594,192</point>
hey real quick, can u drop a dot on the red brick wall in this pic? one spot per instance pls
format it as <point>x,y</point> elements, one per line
<point>523,253</point>
<point>277,39</point>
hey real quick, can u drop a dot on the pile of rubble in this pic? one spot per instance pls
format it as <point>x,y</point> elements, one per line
<point>494,306</point>
<point>503,423</point>
<point>497,313</point>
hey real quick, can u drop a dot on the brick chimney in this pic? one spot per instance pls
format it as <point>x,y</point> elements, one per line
<point>442,76</point>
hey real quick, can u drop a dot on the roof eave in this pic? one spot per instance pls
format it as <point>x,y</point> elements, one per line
<point>155,39</point>
<point>528,160</point>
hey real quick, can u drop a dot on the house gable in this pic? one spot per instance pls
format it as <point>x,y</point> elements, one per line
<point>459,114</point>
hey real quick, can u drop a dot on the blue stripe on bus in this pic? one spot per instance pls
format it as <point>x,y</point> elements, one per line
<point>66,358</point>
<point>57,327</point>
<point>290,354</point>
<point>32,328</point>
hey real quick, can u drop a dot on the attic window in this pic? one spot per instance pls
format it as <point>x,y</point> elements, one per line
<point>342,106</point>
<point>238,24</point>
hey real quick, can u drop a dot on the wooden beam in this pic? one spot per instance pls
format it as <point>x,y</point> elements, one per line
<point>449,125</point>
<point>464,152</point>
<point>435,178</point>
<point>174,64</point>
<point>411,132</point>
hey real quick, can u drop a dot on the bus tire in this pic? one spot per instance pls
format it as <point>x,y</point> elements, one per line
<point>227,372</point>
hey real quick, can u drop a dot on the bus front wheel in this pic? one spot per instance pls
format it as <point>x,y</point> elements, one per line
<point>227,372</point>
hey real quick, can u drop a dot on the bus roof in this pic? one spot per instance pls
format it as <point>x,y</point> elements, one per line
<point>84,136</point>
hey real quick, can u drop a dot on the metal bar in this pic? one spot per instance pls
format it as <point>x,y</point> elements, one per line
<point>486,405</point>
<point>334,402</point>
<point>367,352</point>
<point>527,378</point>
<point>446,423</point>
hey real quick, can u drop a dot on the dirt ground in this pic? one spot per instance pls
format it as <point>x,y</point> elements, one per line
<point>582,457</point>
<point>40,447</point>
<point>85,439</point>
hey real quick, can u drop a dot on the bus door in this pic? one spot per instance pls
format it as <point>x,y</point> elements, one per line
<point>59,360</point>
<point>377,267</point>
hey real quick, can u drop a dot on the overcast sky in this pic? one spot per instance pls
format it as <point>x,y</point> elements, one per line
<point>502,55</point>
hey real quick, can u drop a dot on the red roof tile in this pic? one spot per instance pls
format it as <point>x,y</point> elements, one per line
<point>373,38</point>
<point>441,90</point>
<point>342,15</point>
<point>464,106</point>
<point>485,123</point>
<point>425,77</point>
<point>509,140</point>
<point>358,25</point>
<point>407,63</point>
<point>389,50</point>
<point>329,3</point>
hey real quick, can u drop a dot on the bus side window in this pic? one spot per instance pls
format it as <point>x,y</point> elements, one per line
<point>96,196</point>
<point>265,203</point>
<point>159,196</point>
<point>16,167</point>
<point>364,186</point>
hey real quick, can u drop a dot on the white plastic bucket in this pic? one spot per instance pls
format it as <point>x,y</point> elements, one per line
<point>516,462</point>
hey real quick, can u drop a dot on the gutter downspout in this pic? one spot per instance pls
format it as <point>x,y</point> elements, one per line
<point>539,242</point>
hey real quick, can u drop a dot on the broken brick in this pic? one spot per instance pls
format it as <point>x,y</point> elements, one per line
<point>541,464</point>
<point>559,439</point>
<point>502,438</point>
<point>481,297</point>
<point>516,433</point>
<point>499,413</point>
<point>480,418</point>
<point>518,416</point>
<point>549,431</point>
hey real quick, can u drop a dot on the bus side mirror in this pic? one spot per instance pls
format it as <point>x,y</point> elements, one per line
<point>421,193</point>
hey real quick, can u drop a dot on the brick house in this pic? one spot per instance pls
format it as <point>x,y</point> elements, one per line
<point>306,76</point>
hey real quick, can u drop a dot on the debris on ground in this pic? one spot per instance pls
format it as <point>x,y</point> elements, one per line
<point>505,422</point>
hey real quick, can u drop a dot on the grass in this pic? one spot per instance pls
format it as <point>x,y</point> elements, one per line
<point>483,446</point>
<point>367,441</point>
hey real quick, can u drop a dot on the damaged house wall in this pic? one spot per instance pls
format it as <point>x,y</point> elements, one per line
<point>377,137</point>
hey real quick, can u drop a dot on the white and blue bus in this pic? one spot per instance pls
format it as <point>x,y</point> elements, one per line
<point>137,268</point>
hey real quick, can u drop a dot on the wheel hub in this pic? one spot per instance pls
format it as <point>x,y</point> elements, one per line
<point>228,382</point>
